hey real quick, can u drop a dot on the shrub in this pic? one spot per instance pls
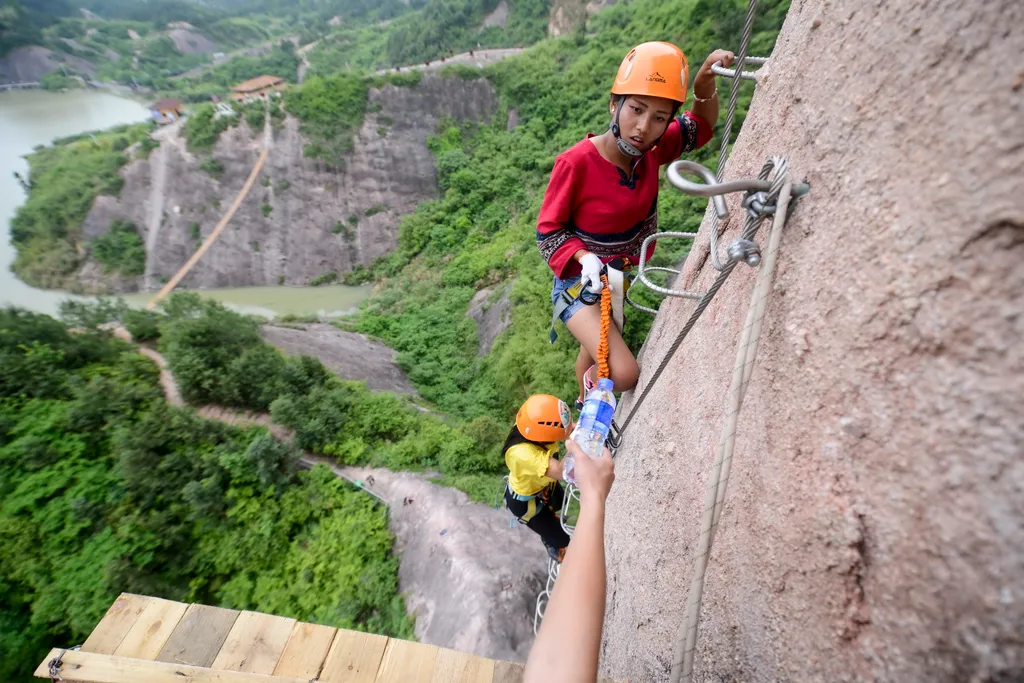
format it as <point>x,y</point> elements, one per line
<point>265,209</point>
<point>212,167</point>
<point>142,325</point>
<point>202,129</point>
<point>330,111</point>
<point>120,249</point>
<point>325,279</point>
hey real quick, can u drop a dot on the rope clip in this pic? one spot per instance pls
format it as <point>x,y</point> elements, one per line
<point>757,202</point>
<point>746,251</point>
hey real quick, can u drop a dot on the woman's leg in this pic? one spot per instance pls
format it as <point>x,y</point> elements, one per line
<point>583,363</point>
<point>585,325</point>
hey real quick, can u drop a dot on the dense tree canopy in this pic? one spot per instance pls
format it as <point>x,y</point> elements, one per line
<point>104,488</point>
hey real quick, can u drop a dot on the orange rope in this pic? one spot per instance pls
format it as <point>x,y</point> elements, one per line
<point>606,321</point>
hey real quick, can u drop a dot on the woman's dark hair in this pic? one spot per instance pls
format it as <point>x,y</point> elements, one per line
<point>515,437</point>
<point>619,99</point>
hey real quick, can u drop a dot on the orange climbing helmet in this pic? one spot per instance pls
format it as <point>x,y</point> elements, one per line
<point>656,69</point>
<point>544,418</point>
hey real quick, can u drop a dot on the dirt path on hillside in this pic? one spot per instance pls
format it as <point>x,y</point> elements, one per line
<point>469,578</point>
<point>477,58</point>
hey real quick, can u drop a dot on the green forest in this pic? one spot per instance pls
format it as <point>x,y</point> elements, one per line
<point>105,488</point>
<point>83,424</point>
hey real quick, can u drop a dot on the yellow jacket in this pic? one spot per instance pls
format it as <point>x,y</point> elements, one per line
<point>527,467</point>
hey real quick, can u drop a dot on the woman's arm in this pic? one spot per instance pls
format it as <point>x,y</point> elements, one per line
<point>569,642</point>
<point>704,87</point>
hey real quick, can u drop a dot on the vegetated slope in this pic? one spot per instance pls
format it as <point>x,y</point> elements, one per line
<point>481,232</point>
<point>64,181</point>
<point>146,43</point>
<point>873,524</point>
<point>105,488</point>
<point>437,29</point>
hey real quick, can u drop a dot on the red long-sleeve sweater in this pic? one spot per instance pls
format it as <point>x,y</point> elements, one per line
<point>592,204</point>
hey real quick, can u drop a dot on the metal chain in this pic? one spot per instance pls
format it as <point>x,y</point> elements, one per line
<point>54,665</point>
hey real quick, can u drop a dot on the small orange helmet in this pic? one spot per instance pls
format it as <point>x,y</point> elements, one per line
<point>656,69</point>
<point>544,418</point>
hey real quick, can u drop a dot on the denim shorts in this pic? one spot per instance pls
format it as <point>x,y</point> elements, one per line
<point>560,286</point>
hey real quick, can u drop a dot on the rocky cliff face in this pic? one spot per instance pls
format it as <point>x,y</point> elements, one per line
<point>874,523</point>
<point>301,219</point>
<point>29,64</point>
<point>566,15</point>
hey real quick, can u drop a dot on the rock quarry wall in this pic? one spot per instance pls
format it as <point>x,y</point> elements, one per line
<point>301,219</point>
<point>874,523</point>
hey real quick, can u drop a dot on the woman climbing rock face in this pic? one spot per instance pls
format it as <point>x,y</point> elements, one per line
<point>602,199</point>
<point>533,493</point>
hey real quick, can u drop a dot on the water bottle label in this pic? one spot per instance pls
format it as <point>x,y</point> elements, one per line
<point>597,411</point>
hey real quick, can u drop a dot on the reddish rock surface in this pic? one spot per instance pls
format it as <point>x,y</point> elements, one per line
<point>873,523</point>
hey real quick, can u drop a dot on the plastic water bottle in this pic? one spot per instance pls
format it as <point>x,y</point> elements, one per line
<point>594,425</point>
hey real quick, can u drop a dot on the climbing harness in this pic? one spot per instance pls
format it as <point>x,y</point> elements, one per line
<point>619,274</point>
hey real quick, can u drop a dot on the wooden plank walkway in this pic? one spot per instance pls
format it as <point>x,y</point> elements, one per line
<point>149,639</point>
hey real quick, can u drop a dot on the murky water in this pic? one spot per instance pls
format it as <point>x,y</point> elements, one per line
<point>326,302</point>
<point>35,117</point>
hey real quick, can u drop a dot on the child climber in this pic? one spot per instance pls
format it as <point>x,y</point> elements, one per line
<point>531,449</point>
<point>602,199</point>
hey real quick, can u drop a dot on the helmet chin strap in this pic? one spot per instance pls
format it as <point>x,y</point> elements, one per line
<point>624,146</point>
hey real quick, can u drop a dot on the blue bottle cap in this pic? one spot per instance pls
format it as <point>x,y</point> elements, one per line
<point>605,383</point>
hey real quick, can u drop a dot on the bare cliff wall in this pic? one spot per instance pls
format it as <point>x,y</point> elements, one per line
<point>874,523</point>
<point>301,219</point>
<point>566,15</point>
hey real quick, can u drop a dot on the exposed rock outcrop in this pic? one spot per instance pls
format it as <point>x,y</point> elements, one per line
<point>349,355</point>
<point>191,42</point>
<point>499,16</point>
<point>874,523</point>
<point>566,15</point>
<point>29,64</point>
<point>492,312</point>
<point>469,578</point>
<point>302,219</point>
